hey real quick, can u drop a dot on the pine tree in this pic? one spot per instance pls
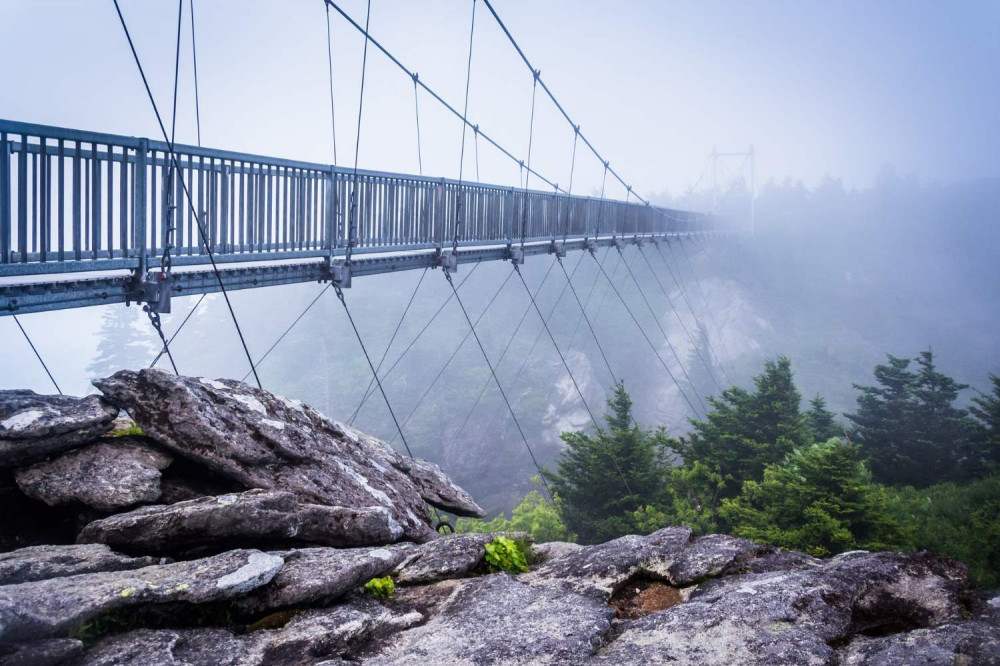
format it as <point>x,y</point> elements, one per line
<point>821,420</point>
<point>908,426</point>
<point>604,477</point>
<point>820,499</point>
<point>745,431</point>
<point>985,409</point>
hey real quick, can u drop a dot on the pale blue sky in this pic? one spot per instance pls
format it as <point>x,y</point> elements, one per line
<point>840,88</point>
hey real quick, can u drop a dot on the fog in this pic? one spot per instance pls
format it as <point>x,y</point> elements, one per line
<point>876,223</point>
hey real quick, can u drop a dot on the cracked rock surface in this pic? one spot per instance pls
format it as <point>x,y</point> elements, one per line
<point>34,426</point>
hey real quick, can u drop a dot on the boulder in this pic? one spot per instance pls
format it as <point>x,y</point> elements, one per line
<point>796,616</point>
<point>34,426</point>
<point>51,652</point>
<point>972,643</point>
<point>251,517</point>
<point>496,619</point>
<point>41,562</point>
<point>320,575</point>
<point>452,556</point>
<point>264,441</point>
<point>108,475</point>
<point>53,607</point>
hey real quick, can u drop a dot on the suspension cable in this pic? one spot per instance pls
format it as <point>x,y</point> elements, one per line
<point>187,193</point>
<point>37,355</point>
<point>569,190</point>
<point>431,320</point>
<point>352,229</point>
<point>482,389</point>
<point>531,136</point>
<point>416,110</point>
<point>454,353</point>
<point>431,91</point>
<point>704,300</point>
<point>194,62</point>
<point>666,338</point>
<point>503,394</point>
<point>329,64</point>
<point>289,329</point>
<point>646,338</point>
<point>395,331</point>
<point>681,320</point>
<point>465,113</point>
<point>583,313</point>
<point>165,349</point>
<point>340,297</point>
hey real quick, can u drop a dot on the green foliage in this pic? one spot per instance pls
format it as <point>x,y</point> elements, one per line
<point>535,515</point>
<point>504,554</point>
<point>604,477</point>
<point>132,430</point>
<point>746,431</point>
<point>962,521</point>
<point>381,588</point>
<point>908,427</point>
<point>820,499</point>
<point>824,426</point>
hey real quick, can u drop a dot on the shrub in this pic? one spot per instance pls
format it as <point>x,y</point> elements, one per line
<point>381,588</point>
<point>504,554</point>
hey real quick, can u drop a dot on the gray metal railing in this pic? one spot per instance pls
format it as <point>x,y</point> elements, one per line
<point>73,200</point>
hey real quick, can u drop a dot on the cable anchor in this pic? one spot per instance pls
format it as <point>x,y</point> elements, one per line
<point>558,249</point>
<point>514,254</point>
<point>446,261</point>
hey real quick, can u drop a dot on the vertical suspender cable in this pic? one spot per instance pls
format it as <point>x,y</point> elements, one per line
<point>531,136</point>
<point>465,115</point>
<point>329,65</point>
<point>194,61</point>
<point>416,111</point>
<point>569,191</point>
<point>37,355</point>
<point>173,157</point>
<point>352,229</point>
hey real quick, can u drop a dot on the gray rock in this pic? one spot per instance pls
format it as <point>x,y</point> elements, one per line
<point>600,570</point>
<point>320,575</point>
<point>250,517</point>
<point>496,619</point>
<point>51,652</point>
<point>452,556</point>
<point>544,553</point>
<point>309,638</point>
<point>711,555</point>
<point>53,607</point>
<point>108,475</point>
<point>34,426</point>
<point>793,617</point>
<point>972,643</point>
<point>40,562</point>
<point>264,441</point>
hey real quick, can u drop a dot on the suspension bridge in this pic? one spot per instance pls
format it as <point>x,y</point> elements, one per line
<point>90,218</point>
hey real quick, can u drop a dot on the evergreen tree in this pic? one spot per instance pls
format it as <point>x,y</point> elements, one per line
<point>824,425</point>
<point>986,411</point>
<point>820,499</point>
<point>603,478</point>
<point>908,426</point>
<point>746,431</point>
<point>702,372</point>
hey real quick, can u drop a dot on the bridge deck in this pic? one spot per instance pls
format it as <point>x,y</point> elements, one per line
<point>80,211</point>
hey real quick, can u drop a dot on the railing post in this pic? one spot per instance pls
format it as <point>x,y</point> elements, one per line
<point>139,209</point>
<point>4,199</point>
<point>331,211</point>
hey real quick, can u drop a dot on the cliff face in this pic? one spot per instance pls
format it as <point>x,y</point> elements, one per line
<point>240,528</point>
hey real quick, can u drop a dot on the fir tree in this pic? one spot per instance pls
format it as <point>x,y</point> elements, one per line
<point>985,409</point>
<point>746,431</point>
<point>604,477</point>
<point>824,425</point>
<point>820,499</point>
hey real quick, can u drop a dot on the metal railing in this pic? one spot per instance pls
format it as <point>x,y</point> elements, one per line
<point>73,200</point>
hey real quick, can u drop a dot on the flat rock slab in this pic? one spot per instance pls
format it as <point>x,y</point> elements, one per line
<point>42,562</point>
<point>108,475</point>
<point>34,426</point>
<point>309,638</point>
<point>794,617</point>
<point>600,570</point>
<point>498,619</point>
<point>451,556</point>
<point>264,441</point>
<point>320,575</point>
<point>51,652</point>
<point>250,517</point>
<point>53,607</point>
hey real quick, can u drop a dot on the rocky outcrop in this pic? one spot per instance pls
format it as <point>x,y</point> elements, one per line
<point>109,475</point>
<point>253,516</point>
<point>264,441</point>
<point>47,608</point>
<point>452,556</point>
<point>34,426</point>
<point>41,562</point>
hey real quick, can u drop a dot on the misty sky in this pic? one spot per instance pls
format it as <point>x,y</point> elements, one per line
<point>838,88</point>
